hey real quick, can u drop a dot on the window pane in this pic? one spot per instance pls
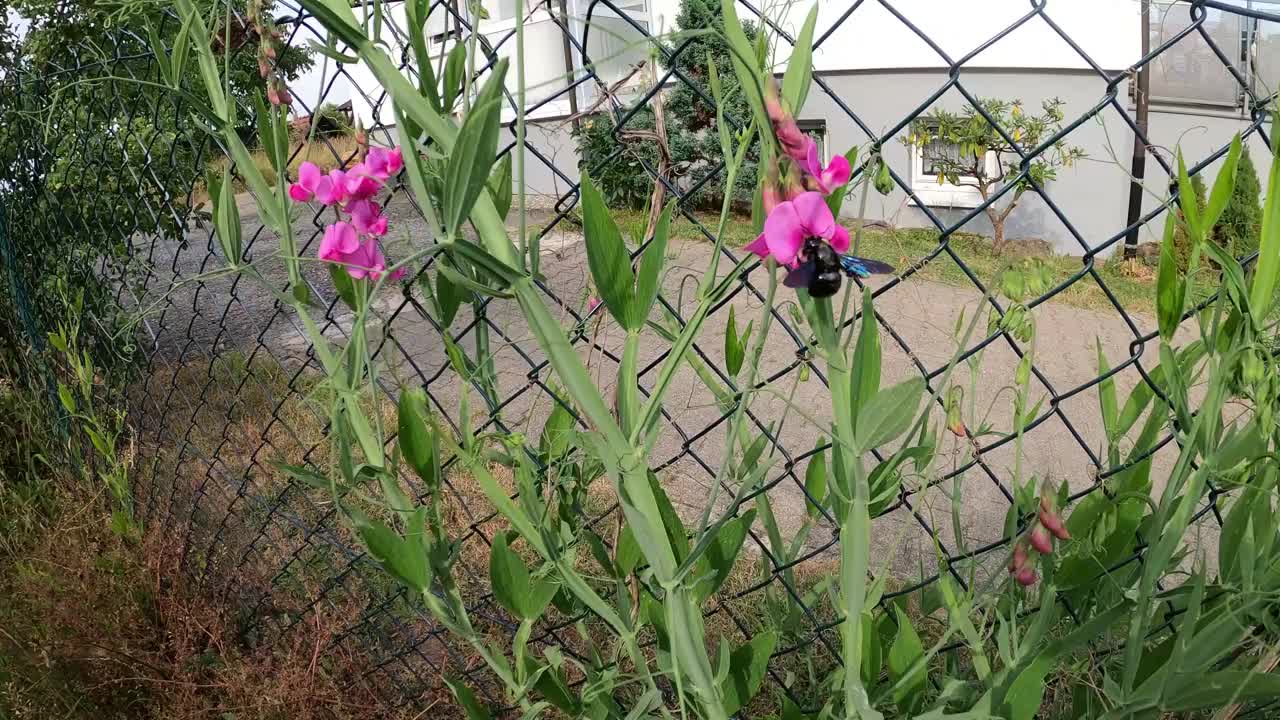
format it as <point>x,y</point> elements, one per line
<point>1189,71</point>
<point>502,9</point>
<point>615,47</point>
<point>933,155</point>
<point>1265,53</point>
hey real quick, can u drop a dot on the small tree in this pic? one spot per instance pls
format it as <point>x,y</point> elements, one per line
<point>968,140</point>
<point>1241,220</point>
<point>690,123</point>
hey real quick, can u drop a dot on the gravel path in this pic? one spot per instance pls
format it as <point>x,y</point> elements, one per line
<point>227,313</point>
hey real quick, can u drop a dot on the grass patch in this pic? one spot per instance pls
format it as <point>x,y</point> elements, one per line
<point>1132,282</point>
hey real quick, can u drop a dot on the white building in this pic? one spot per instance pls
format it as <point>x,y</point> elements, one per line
<point>874,70</point>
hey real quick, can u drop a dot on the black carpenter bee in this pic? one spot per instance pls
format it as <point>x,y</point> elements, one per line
<point>821,268</point>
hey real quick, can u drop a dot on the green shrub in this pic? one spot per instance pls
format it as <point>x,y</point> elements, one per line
<point>1238,227</point>
<point>690,124</point>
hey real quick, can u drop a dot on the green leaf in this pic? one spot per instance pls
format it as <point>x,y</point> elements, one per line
<point>872,651</point>
<point>416,437</point>
<point>66,398</point>
<point>557,434</point>
<point>1026,692</point>
<point>815,481</point>
<point>472,705</point>
<point>734,352</point>
<point>448,296</point>
<point>553,686</point>
<point>1262,292</point>
<point>227,220</point>
<point>676,532</point>
<point>747,665</point>
<point>406,561</point>
<point>161,54</point>
<point>455,68</point>
<point>904,655</point>
<point>509,576</point>
<point>745,64</point>
<point>343,284</point>
<point>500,186</point>
<point>1169,286</point>
<point>359,424</point>
<point>651,262</point>
<point>1193,691</point>
<point>626,556</point>
<point>885,480</point>
<point>459,280</point>
<point>888,415</point>
<point>796,80</point>
<point>473,154</point>
<point>606,254</point>
<point>268,138</point>
<point>1222,186</point>
<point>866,358</point>
<point>723,552</point>
<point>1107,395</point>
<point>1188,201</point>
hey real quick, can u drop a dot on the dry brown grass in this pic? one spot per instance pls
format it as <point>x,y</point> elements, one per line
<point>96,626</point>
<point>329,153</point>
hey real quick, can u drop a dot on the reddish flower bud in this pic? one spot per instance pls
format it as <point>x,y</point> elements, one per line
<point>1053,521</point>
<point>1019,558</point>
<point>1026,577</point>
<point>263,68</point>
<point>270,51</point>
<point>273,97</point>
<point>1039,540</point>
<point>286,98</point>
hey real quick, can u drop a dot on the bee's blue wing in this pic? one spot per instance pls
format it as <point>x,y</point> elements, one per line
<point>863,267</point>
<point>800,277</point>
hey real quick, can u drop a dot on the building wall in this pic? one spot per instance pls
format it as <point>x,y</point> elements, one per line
<point>1093,196</point>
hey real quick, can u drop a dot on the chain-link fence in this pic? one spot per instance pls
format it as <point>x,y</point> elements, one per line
<point>105,179</point>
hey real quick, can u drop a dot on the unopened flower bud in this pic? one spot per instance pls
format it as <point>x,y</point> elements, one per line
<point>263,68</point>
<point>1052,521</point>
<point>884,180</point>
<point>286,98</point>
<point>1019,558</point>
<point>270,51</point>
<point>1026,577</point>
<point>1039,539</point>
<point>273,96</point>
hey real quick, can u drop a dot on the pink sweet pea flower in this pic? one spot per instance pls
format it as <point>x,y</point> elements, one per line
<point>360,183</point>
<point>340,239</point>
<point>384,164</point>
<point>367,217</point>
<point>367,260</point>
<point>827,179</point>
<point>312,184</point>
<point>791,222</point>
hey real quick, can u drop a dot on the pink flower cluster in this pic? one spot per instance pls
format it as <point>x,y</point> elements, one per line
<point>798,210</point>
<point>1048,524</point>
<point>352,242</point>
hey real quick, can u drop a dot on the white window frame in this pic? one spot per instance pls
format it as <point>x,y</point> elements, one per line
<point>817,127</point>
<point>945,194</point>
<point>642,11</point>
